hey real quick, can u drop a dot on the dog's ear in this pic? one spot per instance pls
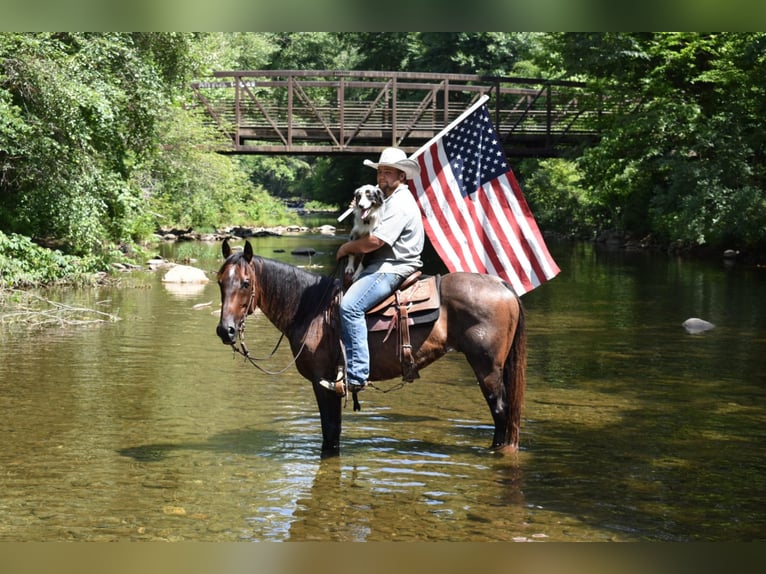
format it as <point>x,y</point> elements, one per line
<point>377,195</point>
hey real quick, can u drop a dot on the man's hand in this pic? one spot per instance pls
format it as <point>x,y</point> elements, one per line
<point>359,246</point>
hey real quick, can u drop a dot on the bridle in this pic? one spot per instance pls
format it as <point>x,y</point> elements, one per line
<point>242,349</point>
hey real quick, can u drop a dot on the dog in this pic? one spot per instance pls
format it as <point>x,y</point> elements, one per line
<point>368,206</point>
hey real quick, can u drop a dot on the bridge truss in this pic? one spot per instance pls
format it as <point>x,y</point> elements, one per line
<point>325,112</point>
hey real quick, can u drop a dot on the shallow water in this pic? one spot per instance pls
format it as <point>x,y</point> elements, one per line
<point>149,428</point>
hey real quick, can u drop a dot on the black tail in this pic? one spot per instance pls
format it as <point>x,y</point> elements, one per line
<point>515,379</point>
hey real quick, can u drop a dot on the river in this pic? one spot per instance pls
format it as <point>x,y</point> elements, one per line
<point>148,428</point>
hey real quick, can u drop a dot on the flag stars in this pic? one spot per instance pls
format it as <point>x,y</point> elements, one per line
<point>474,151</point>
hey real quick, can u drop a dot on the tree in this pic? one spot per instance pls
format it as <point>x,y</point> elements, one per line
<point>683,159</point>
<point>88,104</point>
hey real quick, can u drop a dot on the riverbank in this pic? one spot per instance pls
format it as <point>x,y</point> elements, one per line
<point>241,232</point>
<point>752,257</point>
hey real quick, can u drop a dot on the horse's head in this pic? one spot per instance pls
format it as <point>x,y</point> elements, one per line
<point>236,279</point>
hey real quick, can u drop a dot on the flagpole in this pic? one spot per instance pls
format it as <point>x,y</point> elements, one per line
<point>460,118</point>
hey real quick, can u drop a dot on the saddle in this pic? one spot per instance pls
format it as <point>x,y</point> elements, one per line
<point>416,302</point>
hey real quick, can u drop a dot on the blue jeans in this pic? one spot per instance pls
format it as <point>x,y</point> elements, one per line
<point>363,294</point>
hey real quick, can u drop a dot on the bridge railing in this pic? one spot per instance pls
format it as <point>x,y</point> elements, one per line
<point>331,111</point>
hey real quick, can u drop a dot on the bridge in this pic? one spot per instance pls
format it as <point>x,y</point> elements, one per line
<point>333,112</point>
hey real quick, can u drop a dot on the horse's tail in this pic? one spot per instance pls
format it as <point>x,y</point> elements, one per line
<point>515,378</point>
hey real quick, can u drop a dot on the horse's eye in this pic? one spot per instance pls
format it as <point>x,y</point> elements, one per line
<point>246,284</point>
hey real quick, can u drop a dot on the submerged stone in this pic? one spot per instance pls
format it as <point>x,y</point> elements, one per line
<point>695,325</point>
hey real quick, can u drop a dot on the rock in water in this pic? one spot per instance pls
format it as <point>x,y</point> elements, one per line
<point>695,325</point>
<point>185,274</point>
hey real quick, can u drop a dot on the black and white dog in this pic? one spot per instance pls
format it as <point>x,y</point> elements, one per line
<point>368,209</point>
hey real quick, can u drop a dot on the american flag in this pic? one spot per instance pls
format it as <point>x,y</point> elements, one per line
<point>474,211</point>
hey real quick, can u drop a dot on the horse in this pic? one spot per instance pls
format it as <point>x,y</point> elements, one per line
<point>480,316</point>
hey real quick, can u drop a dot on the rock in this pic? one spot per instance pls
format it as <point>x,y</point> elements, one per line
<point>156,262</point>
<point>695,325</point>
<point>185,274</point>
<point>245,232</point>
<point>326,230</point>
<point>303,251</point>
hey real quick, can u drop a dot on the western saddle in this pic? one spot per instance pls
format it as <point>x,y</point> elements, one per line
<point>415,302</point>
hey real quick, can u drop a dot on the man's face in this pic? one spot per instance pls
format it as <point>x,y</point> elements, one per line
<point>388,179</point>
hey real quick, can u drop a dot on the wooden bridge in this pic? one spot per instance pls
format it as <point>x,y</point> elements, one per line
<point>355,112</point>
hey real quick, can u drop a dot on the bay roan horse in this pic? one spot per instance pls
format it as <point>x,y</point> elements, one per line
<point>480,316</point>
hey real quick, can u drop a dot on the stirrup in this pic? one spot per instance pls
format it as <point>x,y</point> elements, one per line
<point>338,387</point>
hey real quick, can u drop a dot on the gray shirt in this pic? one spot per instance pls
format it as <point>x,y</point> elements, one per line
<point>401,228</point>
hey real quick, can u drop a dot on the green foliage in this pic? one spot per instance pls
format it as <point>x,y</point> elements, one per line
<point>319,206</point>
<point>188,186</point>
<point>95,147</point>
<point>258,208</point>
<point>232,51</point>
<point>334,180</point>
<point>484,53</point>
<point>683,161</point>
<point>280,176</point>
<point>89,104</point>
<point>556,196</point>
<point>487,53</point>
<point>310,51</point>
<point>23,263</point>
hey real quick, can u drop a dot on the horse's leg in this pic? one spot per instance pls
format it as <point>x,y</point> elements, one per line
<point>492,384</point>
<point>330,415</point>
<point>500,367</point>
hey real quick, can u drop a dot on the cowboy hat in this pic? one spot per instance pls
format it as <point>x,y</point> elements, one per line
<point>396,158</point>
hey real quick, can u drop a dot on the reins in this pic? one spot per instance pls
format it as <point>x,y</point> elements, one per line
<point>243,350</point>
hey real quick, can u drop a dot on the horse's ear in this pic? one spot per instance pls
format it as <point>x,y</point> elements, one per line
<point>248,252</point>
<point>226,249</point>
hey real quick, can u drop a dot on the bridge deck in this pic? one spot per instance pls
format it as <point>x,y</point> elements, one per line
<point>351,112</point>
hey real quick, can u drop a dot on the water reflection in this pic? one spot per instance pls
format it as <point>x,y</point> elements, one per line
<point>149,428</point>
<point>184,290</point>
<point>410,497</point>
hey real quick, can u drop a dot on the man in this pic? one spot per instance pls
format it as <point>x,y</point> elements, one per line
<point>392,250</point>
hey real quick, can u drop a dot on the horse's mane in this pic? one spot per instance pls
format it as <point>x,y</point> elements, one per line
<point>297,294</point>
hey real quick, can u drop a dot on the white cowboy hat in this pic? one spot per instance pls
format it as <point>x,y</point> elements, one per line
<point>396,158</point>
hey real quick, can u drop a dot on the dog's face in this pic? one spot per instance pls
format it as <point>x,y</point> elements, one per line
<point>367,198</point>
